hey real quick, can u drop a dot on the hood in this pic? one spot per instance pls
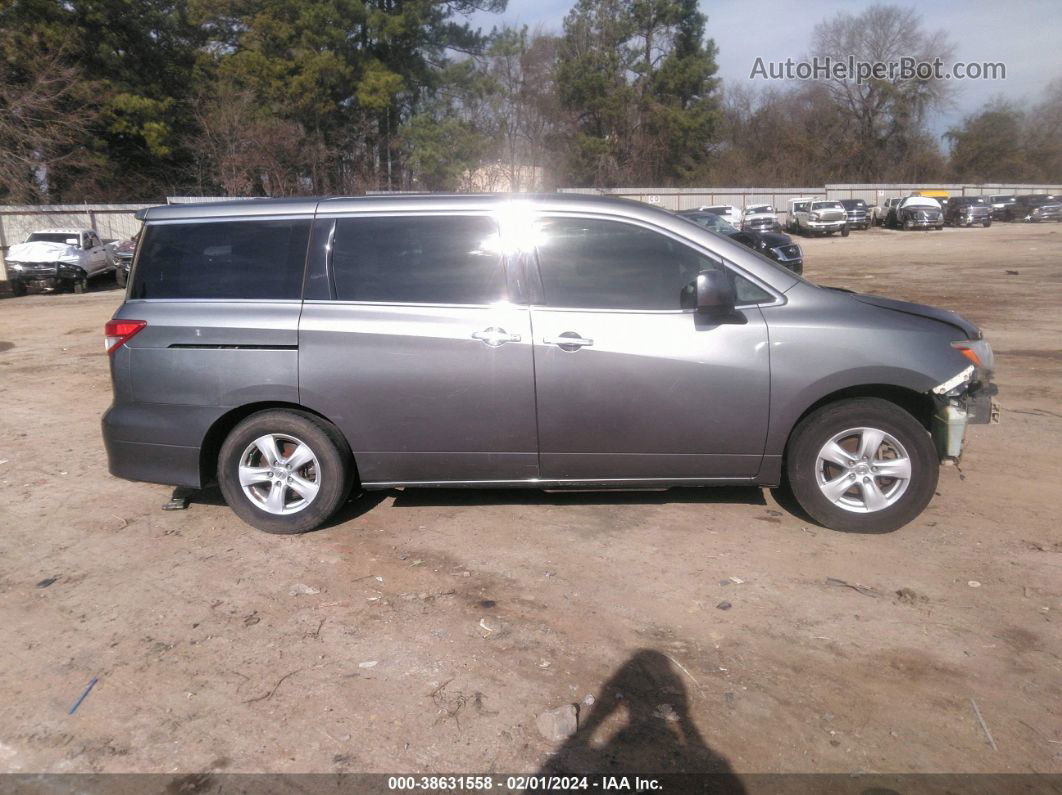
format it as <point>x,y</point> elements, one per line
<point>41,251</point>
<point>772,239</point>
<point>971,331</point>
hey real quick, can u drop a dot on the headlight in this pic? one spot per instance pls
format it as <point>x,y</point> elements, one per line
<point>814,216</point>
<point>1036,211</point>
<point>15,266</point>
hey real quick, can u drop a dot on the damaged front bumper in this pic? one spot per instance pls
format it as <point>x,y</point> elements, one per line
<point>966,399</point>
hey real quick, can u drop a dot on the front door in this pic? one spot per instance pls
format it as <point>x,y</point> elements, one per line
<point>631,383</point>
<point>421,359</point>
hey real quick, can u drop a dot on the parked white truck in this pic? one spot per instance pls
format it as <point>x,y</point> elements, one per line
<point>810,216</point>
<point>53,258</point>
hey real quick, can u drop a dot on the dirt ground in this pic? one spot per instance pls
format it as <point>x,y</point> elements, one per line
<point>429,631</point>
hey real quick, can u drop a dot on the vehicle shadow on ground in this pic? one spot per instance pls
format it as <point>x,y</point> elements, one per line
<point>640,724</point>
<point>417,498</point>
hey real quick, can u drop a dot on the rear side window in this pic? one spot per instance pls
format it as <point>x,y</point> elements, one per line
<point>418,260</point>
<point>222,259</point>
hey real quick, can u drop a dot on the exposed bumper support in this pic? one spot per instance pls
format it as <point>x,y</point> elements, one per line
<point>963,400</point>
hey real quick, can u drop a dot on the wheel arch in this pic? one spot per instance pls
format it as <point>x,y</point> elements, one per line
<point>223,425</point>
<point>920,405</point>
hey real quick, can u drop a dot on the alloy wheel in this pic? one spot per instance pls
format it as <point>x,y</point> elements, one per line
<point>279,474</point>
<point>863,470</point>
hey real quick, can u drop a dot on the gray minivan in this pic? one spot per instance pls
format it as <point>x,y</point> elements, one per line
<point>292,349</point>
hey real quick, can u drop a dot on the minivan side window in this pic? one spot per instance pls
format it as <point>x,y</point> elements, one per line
<point>418,260</point>
<point>592,264</point>
<point>262,259</point>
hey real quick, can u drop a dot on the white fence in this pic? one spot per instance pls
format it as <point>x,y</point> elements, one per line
<point>689,198</point>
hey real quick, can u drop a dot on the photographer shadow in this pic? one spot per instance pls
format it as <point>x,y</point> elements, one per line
<point>643,710</point>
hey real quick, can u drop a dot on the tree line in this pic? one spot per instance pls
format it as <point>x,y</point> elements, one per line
<point>131,100</point>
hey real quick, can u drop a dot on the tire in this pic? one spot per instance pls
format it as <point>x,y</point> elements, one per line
<point>987,223</point>
<point>330,468</point>
<point>908,224</point>
<point>902,500</point>
<point>844,231</point>
<point>120,277</point>
<point>81,285</point>
<point>18,288</point>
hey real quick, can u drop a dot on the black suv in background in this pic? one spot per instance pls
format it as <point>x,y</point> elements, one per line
<point>858,217</point>
<point>776,245</point>
<point>1035,207</point>
<point>967,211</point>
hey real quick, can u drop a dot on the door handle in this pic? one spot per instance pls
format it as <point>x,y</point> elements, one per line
<point>495,337</point>
<point>568,341</point>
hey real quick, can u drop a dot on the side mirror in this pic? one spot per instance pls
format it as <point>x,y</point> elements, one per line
<point>715,292</point>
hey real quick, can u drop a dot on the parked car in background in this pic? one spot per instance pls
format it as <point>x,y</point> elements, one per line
<point>858,217</point>
<point>821,217</point>
<point>759,218</point>
<point>728,212</point>
<point>298,350</point>
<point>795,205</point>
<point>916,212</point>
<point>967,211</point>
<point>999,205</point>
<point>776,245</point>
<point>123,259</point>
<point>53,258</point>
<point>880,212</point>
<point>1035,207</point>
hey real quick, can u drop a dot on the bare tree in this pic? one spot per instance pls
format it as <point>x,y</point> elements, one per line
<point>47,115</point>
<point>886,116</point>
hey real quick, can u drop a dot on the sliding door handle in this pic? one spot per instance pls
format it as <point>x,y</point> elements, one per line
<point>568,341</point>
<point>494,336</point>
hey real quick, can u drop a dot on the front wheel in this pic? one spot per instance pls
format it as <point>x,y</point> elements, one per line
<point>987,223</point>
<point>17,288</point>
<point>285,471</point>
<point>862,465</point>
<point>81,285</point>
<point>119,277</point>
<point>844,231</point>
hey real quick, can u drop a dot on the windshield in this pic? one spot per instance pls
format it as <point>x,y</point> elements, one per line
<point>759,208</point>
<point>854,204</point>
<point>827,206</point>
<point>52,237</point>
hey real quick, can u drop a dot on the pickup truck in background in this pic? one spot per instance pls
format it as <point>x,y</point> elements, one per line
<point>818,216</point>
<point>53,258</point>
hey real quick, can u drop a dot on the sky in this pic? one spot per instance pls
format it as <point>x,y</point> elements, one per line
<point>1023,34</point>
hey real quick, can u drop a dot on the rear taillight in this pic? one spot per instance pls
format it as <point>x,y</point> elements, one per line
<point>118,332</point>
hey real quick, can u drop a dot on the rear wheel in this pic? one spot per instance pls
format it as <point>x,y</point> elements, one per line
<point>285,471</point>
<point>862,465</point>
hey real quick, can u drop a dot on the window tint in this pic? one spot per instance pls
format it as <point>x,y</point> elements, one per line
<point>222,259</point>
<point>418,260</point>
<point>591,264</point>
